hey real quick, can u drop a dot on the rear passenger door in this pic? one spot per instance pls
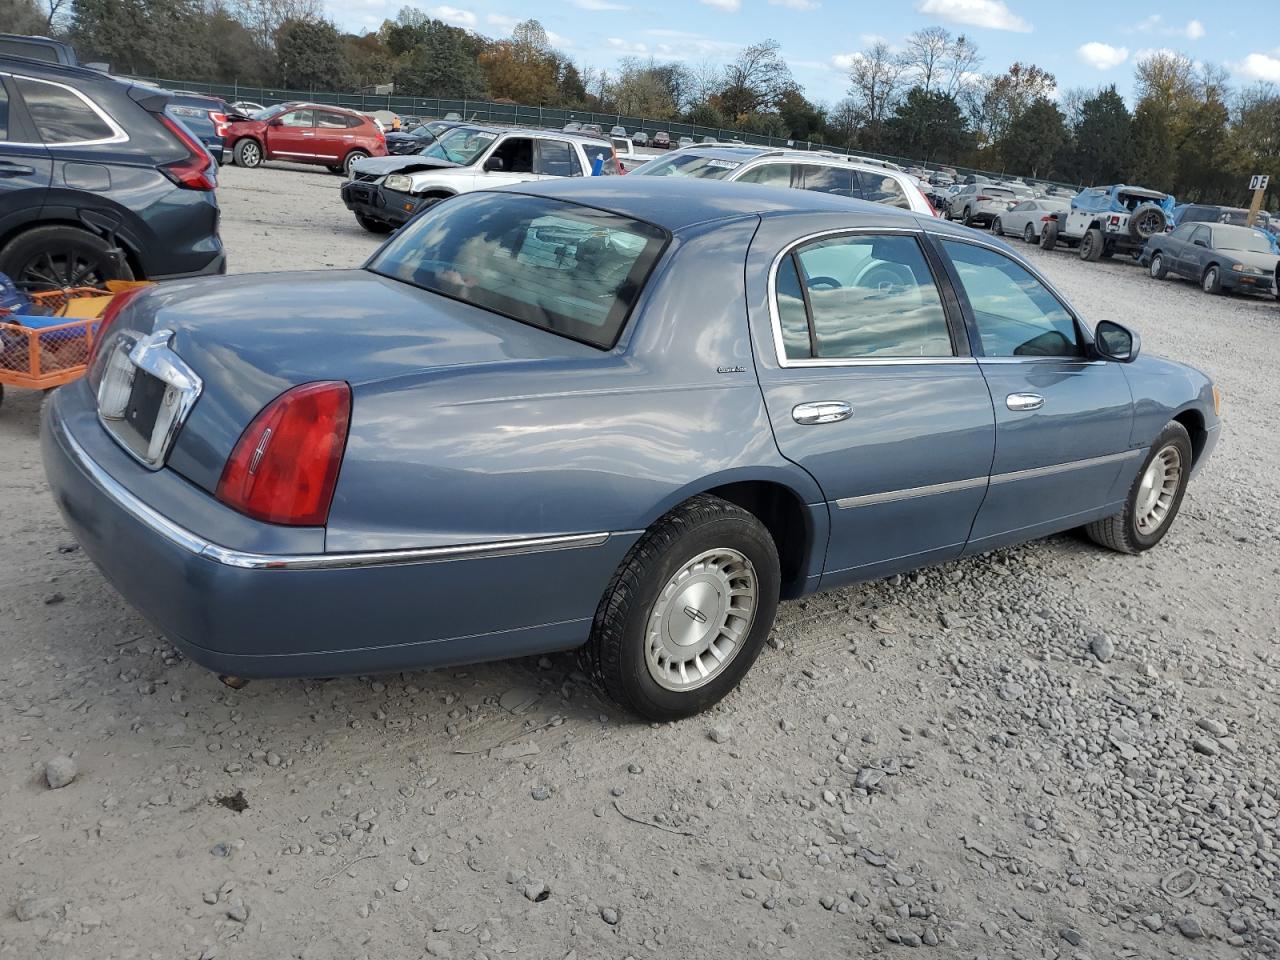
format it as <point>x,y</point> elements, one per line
<point>839,181</point>
<point>869,387</point>
<point>882,188</point>
<point>25,165</point>
<point>555,158</point>
<point>332,137</point>
<point>1063,419</point>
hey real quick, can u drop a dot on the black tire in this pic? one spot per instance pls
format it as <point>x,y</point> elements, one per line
<point>1211,279</point>
<point>248,153</point>
<point>1120,532</point>
<point>59,256</point>
<point>351,158</point>
<point>1157,267</point>
<point>1147,221</point>
<point>615,655</point>
<point>1029,234</point>
<point>1091,245</point>
<point>372,225</point>
<point>1108,251</point>
<point>966,218</point>
<point>997,227</point>
<point>1049,235</point>
<point>335,168</point>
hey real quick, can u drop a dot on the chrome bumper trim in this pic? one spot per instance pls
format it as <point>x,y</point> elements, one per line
<point>198,546</point>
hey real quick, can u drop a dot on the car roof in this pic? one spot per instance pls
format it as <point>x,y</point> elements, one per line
<point>33,67</point>
<point>677,203</point>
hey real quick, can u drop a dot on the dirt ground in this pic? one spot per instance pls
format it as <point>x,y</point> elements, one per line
<point>1048,751</point>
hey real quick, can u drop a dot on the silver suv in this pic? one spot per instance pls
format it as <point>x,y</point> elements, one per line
<point>801,169</point>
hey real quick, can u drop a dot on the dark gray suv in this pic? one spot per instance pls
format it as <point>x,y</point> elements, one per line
<point>98,183</point>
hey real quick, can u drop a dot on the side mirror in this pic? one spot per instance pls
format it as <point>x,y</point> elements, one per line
<point>493,165</point>
<point>275,122</point>
<point>1115,342</point>
<point>1200,243</point>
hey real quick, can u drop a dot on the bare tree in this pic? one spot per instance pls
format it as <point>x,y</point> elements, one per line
<point>926,55</point>
<point>57,14</point>
<point>756,80</point>
<point>263,18</point>
<point>1072,100</point>
<point>960,65</point>
<point>875,80</point>
<point>706,79</point>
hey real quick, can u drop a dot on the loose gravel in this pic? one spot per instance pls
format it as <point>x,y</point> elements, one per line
<point>1048,751</point>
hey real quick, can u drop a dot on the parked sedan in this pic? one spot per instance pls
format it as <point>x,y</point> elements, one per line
<point>1027,218</point>
<point>661,140</point>
<point>315,133</point>
<point>1221,257</point>
<point>625,415</point>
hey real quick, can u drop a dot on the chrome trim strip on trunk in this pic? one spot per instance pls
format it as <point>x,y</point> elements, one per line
<point>933,489</point>
<point>199,546</point>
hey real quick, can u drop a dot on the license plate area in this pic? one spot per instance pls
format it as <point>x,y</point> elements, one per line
<point>145,395</point>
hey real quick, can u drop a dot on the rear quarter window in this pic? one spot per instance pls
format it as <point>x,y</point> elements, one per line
<point>572,270</point>
<point>61,115</point>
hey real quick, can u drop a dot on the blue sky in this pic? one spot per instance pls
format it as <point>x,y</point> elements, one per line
<point>1083,44</point>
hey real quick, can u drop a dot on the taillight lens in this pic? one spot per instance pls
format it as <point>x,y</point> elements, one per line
<point>285,465</point>
<point>191,172</point>
<point>220,123</point>
<point>109,317</point>
<point>981,197</point>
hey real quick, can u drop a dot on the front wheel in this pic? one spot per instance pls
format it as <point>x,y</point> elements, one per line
<point>1154,496</point>
<point>997,227</point>
<point>1158,269</point>
<point>372,225</point>
<point>1211,282</point>
<point>248,154</point>
<point>352,158</point>
<point>687,612</point>
<point>1029,234</point>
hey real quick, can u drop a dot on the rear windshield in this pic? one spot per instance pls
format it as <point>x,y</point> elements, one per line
<point>691,165</point>
<point>572,270</point>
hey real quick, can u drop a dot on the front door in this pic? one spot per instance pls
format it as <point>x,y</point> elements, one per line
<point>869,387</point>
<point>1062,455</point>
<point>511,161</point>
<point>291,136</point>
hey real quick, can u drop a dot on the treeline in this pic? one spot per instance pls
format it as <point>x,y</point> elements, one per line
<point>1189,131</point>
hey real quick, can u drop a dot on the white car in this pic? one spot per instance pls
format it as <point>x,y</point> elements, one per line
<point>804,170</point>
<point>385,192</point>
<point>1027,218</point>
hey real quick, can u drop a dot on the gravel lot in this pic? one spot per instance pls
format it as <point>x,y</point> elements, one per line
<point>1049,751</point>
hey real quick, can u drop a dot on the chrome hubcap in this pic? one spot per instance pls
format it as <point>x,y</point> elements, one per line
<point>1156,490</point>
<point>250,154</point>
<point>1210,278</point>
<point>701,619</point>
<point>1155,266</point>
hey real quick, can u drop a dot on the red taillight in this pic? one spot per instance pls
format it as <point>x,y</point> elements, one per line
<point>220,123</point>
<point>192,171</point>
<point>109,317</point>
<point>980,197</point>
<point>285,465</point>
<point>1046,218</point>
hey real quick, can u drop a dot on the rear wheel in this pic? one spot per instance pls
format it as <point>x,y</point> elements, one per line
<point>352,157</point>
<point>1091,245</point>
<point>58,257</point>
<point>248,154</point>
<point>687,611</point>
<point>1157,268</point>
<point>1049,235</point>
<point>1154,496</point>
<point>1211,282</point>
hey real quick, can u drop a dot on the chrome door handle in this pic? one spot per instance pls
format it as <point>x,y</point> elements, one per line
<point>1024,401</point>
<point>825,411</point>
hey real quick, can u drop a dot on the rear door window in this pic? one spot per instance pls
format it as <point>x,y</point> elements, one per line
<point>331,121</point>
<point>569,269</point>
<point>882,189</point>
<point>834,180</point>
<point>866,297</point>
<point>555,158</point>
<point>61,115</point>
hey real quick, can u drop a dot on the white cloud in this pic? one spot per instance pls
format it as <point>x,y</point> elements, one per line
<point>626,46</point>
<point>558,39</point>
<point>501,21</point>
<point>845,61</point>
<point>871,39</point>
<point>1102,56</point>
<point>992,14</point>
<point>598,5</point>
<point>1194,30</point>
<point>728,6</point>
<point>796,4</point>
<point>682,45</point>
<point>1260,66</point>
<point>454,15</point>
<point>1146,53</point>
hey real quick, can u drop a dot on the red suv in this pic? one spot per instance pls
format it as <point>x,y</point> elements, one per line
<point>305,133</point>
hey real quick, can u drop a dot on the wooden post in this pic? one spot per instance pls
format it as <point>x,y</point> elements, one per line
<point>1257,183</point>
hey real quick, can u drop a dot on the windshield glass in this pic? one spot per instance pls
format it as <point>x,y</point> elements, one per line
<point>268,112</point>
<point>572,270</point>
<point>1240,238</point>
<point>690,165</point>
<point>461,145</point>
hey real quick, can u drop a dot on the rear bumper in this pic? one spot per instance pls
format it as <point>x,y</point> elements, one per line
<point>253,614</point>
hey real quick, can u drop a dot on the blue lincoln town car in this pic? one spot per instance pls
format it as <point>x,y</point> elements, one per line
<point>623,414</point>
